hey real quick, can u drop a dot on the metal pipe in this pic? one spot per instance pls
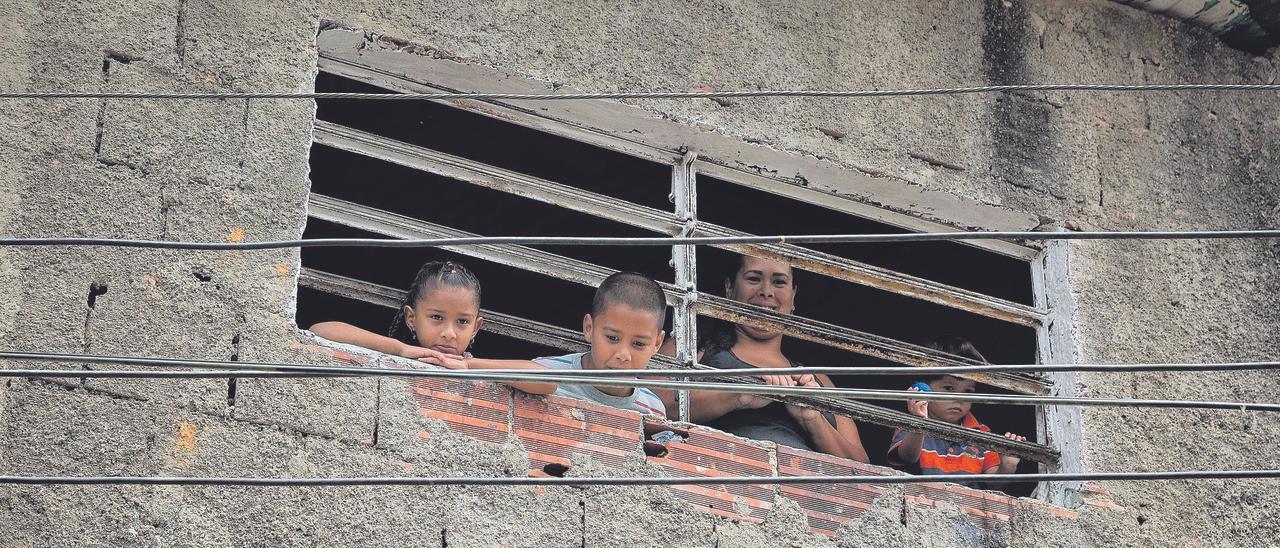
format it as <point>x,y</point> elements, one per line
<point>625,481</point>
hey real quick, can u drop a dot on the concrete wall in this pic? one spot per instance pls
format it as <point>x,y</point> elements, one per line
<point>224,170</point>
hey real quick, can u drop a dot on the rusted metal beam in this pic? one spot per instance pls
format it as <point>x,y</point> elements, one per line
<point>569,340</point>
<point>494,321</point>
<point>573,270</point>
<point>859,342</point>
<point>382,222</point>
<point>518,184</point>
<point>643,134</point>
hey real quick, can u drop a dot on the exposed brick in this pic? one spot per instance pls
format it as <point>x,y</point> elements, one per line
<point>707,452</point>
<point>560,430</point>
<point>826,505</point>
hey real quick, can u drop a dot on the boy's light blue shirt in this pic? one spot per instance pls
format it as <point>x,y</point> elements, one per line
<point>641,400</point>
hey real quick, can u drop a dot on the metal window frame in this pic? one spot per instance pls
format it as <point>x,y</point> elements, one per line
<point>394,225</point>
<point>641,134</point>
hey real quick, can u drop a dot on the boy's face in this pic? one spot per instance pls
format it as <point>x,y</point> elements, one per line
<point>951,411</point>
<point>621,337</point>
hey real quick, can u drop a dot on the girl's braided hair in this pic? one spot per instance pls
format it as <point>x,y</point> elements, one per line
<point>431,276</point>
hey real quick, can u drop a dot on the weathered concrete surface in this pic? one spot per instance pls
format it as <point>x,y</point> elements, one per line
<point>222,170</point>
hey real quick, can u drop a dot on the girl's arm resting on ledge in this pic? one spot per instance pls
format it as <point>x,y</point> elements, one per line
<point>349,334</point>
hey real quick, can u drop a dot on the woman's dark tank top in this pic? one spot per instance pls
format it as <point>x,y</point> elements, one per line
<point>770,423</point>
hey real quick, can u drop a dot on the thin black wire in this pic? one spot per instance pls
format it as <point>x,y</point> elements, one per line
<point>835,371</point>
<point>654,241</point>
<point>112,374</point>
<point>622,481</point>
<point>561,377</point>
<point>632,94</point>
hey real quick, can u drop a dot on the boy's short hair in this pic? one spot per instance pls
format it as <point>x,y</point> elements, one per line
<point>634,290</point>
<point>959,346</point>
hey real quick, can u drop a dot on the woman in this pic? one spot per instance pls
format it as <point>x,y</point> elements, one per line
<point>768,284</point>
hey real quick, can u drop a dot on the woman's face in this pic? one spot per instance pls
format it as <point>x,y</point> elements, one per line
<point>764,283</point>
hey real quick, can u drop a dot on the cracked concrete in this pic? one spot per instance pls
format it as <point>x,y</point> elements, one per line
<point>227,170</point>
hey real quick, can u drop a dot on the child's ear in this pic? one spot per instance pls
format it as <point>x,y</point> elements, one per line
<point>479,323</point>
<point>728,288</point>
<point>586,327</point>
<point>409,319</point>
<point>662,336</point>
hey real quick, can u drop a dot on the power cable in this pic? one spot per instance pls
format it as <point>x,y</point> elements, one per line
<point>623,481</point>
<point>635,94</point>
<point>569,378</point>
<point>654,241</point>
<point>835,371</point>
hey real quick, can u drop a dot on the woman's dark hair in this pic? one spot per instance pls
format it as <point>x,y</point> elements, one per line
<point>432,275</point>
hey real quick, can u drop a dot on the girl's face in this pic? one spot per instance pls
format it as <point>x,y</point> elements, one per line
<point>445,319</point>
<point>763,283</point>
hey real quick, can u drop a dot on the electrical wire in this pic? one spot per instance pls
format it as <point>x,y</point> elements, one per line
<point>635,94</point>
<point>834,371</point>
<point>654,241</point>
<point>568,378</point>
<point>623,481</point>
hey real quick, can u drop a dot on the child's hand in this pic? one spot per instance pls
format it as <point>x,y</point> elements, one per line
<point>415,352</point>
<point>919,408</point>
<point>1009,463</point>
<point>803,414</point>
<point>447,361</point>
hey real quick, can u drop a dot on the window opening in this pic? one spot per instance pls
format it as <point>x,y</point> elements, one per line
<point>494,142</point>
<point>425,169</point>
<point>951,263</point>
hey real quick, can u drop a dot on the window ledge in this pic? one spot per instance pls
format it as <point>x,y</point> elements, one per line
<point>563,432</point>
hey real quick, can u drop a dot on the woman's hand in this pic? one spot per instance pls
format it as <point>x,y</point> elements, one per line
<point>752,401</point>
<point>804,414</point>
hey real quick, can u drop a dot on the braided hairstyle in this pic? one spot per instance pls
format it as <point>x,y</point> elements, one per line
<point>431,276</point>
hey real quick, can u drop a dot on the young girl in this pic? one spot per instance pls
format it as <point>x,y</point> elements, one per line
<point>436,324</point>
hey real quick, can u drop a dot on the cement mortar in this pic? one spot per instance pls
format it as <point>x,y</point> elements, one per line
<point>221,170</point>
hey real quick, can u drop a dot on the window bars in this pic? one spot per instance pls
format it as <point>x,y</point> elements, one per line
<point>396,73</point>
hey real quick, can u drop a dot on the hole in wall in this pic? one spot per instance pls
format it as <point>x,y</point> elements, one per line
<point>555,469</point>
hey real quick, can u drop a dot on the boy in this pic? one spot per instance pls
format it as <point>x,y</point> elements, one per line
<point>624,329</point>
<point>941,457</point>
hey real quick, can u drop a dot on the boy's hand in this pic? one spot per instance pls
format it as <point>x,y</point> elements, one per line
<point>919,408</point>
<point>448,361</point>
<point>803,414</point>
<point>1009,463</point>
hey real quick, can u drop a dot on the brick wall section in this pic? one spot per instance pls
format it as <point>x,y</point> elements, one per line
<point>566,432</point>
<point>708,453</point>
